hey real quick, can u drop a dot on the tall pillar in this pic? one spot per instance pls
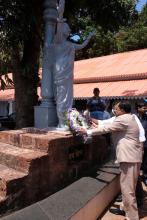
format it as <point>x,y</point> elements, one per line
<point>45,114</point>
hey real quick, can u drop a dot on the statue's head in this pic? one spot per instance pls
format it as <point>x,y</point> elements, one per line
<point>66,30</point>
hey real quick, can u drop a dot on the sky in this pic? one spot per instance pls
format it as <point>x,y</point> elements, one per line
<point>140,4</point>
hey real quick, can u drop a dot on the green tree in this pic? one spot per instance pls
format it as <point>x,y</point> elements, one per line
<point>133,37</point>
<point>21,23</point>
<point>21,36</point>
<point>106,17</point>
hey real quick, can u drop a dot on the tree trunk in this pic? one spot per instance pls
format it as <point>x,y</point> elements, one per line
<point>25,74</point>
<point>25,83</point>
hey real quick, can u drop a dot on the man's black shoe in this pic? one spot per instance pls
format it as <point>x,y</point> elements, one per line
<point>119,198</point>
<point>117,212</point>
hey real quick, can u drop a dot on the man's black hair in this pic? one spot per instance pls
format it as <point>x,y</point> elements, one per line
<point>96,90</point>
<point>125,106</point>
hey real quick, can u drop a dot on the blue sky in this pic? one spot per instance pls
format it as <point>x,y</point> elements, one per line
<point>140,4</point>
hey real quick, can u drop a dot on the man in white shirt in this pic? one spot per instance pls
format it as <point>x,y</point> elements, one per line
<point>129,151</point>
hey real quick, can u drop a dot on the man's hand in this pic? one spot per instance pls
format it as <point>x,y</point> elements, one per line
<point>94,123</point>
<point>82,131</point>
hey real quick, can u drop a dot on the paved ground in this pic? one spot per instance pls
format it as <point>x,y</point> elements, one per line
<point>142,212</point>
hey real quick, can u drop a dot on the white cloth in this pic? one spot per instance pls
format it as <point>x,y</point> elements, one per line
<point>141,129</point>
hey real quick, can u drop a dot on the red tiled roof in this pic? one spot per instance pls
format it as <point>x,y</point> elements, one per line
<point>121,64</point>
<point>7,94</point>
<point>112,89</point>
<point>122,74</point>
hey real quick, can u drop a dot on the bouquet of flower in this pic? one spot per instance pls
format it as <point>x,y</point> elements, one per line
<point>76,121</point>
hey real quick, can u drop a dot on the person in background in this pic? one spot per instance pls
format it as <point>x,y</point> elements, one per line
<point>96,105</point>
<point>129,151</point>
<point>96,109</point>
<point>142,115</point>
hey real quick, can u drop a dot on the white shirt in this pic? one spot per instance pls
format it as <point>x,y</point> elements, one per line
<point>110,120</point>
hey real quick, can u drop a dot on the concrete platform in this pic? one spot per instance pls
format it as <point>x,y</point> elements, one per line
<point>142,211</point>
<point>85,199</point>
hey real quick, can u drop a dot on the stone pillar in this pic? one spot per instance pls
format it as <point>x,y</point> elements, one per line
<point>45,114</point>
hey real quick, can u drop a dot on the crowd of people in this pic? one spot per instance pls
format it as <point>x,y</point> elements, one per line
<point>129,134</point>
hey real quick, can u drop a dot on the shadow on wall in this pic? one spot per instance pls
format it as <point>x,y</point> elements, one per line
<point>133,93</point>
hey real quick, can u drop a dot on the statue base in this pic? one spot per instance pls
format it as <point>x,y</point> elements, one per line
<point>63,128</point>
<point>45,116</point>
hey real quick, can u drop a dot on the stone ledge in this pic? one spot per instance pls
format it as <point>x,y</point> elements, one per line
<point>39,141</point>
<point>11,180</point>
<point>20,159</point>
<point>43,141</point>
<point>85,199</point>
